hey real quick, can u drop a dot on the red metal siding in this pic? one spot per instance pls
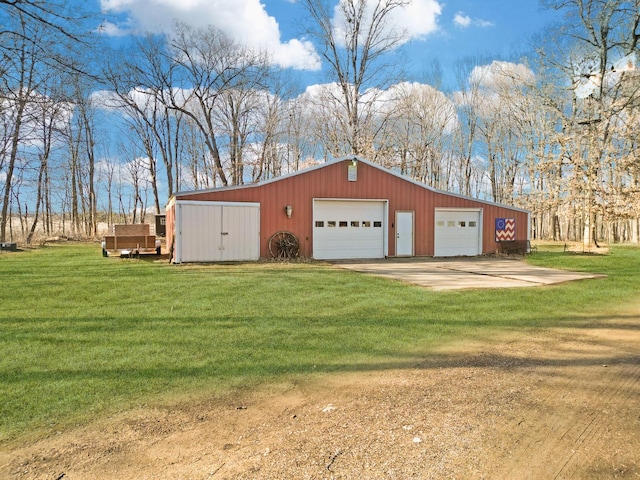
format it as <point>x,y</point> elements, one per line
<point>331,181</point>
<point>170,222</point>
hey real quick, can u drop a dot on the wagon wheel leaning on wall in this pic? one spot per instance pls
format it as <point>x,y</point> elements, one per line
<point>284,245</point>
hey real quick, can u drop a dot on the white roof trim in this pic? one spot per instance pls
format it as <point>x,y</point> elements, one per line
<point>342,159</point>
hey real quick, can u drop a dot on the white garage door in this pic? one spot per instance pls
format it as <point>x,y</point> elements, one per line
<point>348,229</point>
<point>216,232</point>
<point>458,233</point>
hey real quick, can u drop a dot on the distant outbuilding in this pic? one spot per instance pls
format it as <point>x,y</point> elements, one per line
<point>348,208</point>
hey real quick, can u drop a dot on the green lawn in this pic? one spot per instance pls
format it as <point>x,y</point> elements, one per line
<point>82,335</point>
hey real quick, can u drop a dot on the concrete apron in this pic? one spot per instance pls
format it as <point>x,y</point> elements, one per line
<point>459,273</point>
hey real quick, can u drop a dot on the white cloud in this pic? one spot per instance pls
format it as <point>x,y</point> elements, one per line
<point>424,102</point>
<point>483,23</point>
<point>299,54</point>
<point>462,20</point>
<point>245,21</point>
<point>493,83</point>
<point>39,106</point>
<point>419,18</point>
<point>105,99</point>
<point>320,97</point>
<point>321,91</point>
<point>111,29</point>
<point>415,20</point>
<point>501,75</point>
<point>110,168</point>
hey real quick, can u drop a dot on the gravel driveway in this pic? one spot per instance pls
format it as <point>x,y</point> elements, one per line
<point>558,404</point>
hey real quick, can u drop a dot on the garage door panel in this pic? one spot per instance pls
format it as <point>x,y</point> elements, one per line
<point>457,233</point>
<point>348,229</point>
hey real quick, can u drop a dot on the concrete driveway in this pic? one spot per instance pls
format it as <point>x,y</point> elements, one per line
<point>458,273</point>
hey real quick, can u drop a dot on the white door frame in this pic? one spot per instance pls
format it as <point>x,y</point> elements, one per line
<point>405,236</point>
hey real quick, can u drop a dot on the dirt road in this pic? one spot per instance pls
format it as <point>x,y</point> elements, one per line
<point>559,404</point>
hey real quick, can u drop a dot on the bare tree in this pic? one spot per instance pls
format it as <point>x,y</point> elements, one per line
<point>544,141</point>
<point>269,161</point>
<point>137,169</point>
<point>355,43</point>
<point>139,80</point>
<point>467,99</point>
<point>599,58</point>
<point>502,107</point>
<point>324,114</point>
<point>82,141</point>
<point>236,120</point>
<point>51,114</point>
<point>54,15</point>
<point>302,126</point>
<point>419,122</point>
<point>206,66</point>
<point>198,172</point>
<point>108,172</point>
<point>39,41</point>
<point>18,88</point>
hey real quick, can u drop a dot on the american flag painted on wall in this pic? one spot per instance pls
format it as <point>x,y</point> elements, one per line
<point>505,229</point>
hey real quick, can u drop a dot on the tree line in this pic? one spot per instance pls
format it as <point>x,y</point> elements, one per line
<point>90,135</point>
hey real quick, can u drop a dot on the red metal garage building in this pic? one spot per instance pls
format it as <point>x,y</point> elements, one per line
<point>347,208</point>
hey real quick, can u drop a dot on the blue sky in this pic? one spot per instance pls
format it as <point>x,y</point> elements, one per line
<point>442,30</point>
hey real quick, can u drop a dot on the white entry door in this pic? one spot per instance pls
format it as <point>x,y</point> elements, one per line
<point>404,234</point>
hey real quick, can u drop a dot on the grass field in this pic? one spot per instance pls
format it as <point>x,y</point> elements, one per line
<point>83,336</point>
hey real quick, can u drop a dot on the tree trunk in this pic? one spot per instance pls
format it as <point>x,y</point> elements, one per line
<point>15,142</point>
<point>36,215</point>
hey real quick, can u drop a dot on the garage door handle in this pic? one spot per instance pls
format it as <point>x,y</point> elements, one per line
<point>224,233</point>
